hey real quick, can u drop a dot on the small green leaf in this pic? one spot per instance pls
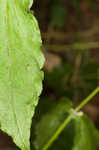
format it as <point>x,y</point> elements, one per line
<point>50,122</point>
<point>85,134</point>
<point>20,64</point>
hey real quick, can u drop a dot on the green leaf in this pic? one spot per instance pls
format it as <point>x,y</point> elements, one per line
<point>50,122</point>
<point>20,64</point>
<point>85,134</point>
<point>79,134</point>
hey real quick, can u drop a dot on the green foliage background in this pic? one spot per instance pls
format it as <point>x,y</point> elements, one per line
<point>71,80</point>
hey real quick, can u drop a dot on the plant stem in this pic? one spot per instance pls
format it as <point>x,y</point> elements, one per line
<point>86,100</point>
<point>69,118</point>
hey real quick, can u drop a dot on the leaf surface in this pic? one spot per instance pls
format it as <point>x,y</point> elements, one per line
<point>20,69</point>
<point>50,121</point>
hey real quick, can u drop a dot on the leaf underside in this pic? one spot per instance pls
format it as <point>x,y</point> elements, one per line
<point>20,69</point>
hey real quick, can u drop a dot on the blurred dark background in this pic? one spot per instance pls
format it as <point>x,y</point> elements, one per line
<point>70,34</point>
